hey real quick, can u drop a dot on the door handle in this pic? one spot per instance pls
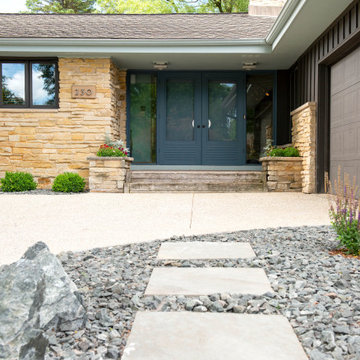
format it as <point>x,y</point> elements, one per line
<point>193,123</point>
<point>209,123</point>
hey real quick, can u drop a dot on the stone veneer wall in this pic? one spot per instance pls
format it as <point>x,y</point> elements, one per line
<point>304,139</point>
<point>109,174</point>
<point>118,102</point>
<point>282,173</point>
<point>47,142</point>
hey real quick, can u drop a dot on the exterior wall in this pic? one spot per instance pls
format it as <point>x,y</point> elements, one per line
<point>49,142</point>
<point>305,72</point>
<point>304,139</point>
<point>310,79</point>
<point>118,102</point>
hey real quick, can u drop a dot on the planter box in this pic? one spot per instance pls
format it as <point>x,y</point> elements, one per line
<point>283,173</point>
<point>109,174</point>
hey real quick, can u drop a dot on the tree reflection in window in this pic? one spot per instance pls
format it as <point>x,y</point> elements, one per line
<point>43,84</point>
<point>13,83</point>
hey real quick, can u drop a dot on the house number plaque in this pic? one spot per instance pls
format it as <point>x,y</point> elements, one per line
<point>83,92</point>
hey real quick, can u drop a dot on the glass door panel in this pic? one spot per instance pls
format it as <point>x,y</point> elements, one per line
<point>143,118</point>
<point>180,110</point>
<point>222,122</point>
<point>259,109</point>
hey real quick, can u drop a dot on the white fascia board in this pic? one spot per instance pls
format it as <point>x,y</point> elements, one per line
<point>289,12</point>
<point>98,46</point>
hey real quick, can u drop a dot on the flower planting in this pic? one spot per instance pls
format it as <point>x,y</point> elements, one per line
<point>113,148</point>
<point>345,213</point>
<point>286,152</point>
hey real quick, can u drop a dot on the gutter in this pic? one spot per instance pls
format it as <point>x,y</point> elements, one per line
<point>289,12</point>
<point>117,46</point>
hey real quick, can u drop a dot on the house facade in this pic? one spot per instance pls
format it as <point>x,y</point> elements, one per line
<point>183,90</point>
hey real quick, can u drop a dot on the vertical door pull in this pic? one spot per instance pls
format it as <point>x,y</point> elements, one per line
<point>193,123</point>
<point>209,124</point>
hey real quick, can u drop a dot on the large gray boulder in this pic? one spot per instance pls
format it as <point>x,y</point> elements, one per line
<point>36,295</point>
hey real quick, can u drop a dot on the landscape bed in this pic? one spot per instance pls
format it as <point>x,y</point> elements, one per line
<point>318,293</point>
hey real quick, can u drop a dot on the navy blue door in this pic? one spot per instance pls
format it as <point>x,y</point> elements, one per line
<point>201,118</point>
<point>179,118</point>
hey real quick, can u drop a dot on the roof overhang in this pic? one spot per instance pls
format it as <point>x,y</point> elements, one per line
<point>298,25</point>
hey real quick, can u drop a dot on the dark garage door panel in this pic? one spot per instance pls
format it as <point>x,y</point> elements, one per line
<point>345,117</point>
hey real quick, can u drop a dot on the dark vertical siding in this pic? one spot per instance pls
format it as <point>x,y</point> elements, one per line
<point>304,73</point>
<point>283,108</point>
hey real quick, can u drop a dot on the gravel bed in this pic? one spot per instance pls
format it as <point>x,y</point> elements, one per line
<point>38,192</point>
<point>318,293</point>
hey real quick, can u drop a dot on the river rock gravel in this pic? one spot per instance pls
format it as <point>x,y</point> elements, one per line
<point>319,293</point>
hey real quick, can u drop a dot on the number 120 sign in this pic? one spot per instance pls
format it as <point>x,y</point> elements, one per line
<point>83,92</point>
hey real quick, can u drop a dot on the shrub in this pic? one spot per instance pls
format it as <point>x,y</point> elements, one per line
<point>69,182</point>
<point>17,181</point>
<point>287,152</point>
<point>345,214</point>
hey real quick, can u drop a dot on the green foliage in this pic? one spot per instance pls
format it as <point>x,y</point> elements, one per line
<point>287,152</point>
<point>113,148</point>
<point>172,6</point>
<point>69,182</point>
<point>348,233</point>
<point>17,181</point>
<point>345,213</point>
<point>61,6</point>
<point>106,151</point>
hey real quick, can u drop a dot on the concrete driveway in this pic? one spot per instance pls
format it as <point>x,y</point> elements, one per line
<point>84,221</point>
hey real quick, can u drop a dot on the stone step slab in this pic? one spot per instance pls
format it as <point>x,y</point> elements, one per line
<point>211,336</point>
<point>207,281</point>
<point>195,187</point>
<point>205,250</point>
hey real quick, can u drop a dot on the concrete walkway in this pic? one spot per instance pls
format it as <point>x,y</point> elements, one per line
<point>85,221</point>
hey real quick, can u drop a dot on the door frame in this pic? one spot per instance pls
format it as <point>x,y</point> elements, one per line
<point>233,73</point>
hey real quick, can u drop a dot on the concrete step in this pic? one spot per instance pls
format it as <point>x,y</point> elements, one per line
<point>202,181</point>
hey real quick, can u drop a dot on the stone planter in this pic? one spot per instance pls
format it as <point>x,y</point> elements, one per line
<point>283,173</point>
<point>109,174</point>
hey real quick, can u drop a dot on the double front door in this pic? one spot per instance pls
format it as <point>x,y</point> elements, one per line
<point>201,119</point>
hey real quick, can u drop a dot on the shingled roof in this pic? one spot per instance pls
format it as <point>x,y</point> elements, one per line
<point>126,26</point>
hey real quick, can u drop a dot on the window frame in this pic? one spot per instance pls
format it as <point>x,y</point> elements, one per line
<point>28,82</point>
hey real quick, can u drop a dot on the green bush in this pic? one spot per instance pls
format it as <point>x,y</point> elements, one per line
<point>287,152</point>
<point>69,182</point>
<point>17,181</point>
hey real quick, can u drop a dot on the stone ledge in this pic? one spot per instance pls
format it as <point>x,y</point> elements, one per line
<point>28,110</point>
<point>309,104</point>
<point>109,158</point>
<point>281,158</point>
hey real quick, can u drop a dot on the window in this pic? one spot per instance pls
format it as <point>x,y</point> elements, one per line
<point>28,84</point>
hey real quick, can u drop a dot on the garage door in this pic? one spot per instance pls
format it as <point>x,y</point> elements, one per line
<point>345,117</point>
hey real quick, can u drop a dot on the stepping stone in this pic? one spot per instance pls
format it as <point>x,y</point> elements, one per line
<point>211,336</point>
<point>205,250</point>
<point>206,281</point>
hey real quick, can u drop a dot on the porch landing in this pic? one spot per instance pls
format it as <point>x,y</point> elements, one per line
<point>175,179</point>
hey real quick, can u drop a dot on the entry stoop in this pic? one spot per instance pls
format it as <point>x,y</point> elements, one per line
<point>197,181</point>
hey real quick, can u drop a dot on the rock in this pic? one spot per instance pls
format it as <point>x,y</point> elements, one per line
<point>190,304</point>
<point>36,295</point>
<point>317,355</point>
<point>200,309</point>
